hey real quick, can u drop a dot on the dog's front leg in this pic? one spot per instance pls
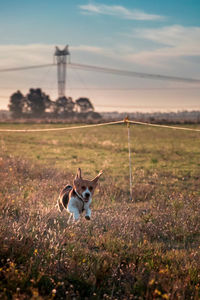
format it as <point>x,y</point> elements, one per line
<point>87,213</point>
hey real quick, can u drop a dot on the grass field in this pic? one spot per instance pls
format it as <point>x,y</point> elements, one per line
<point>148,248</point>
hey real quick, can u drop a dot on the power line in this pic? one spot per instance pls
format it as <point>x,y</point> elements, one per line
<point>134,89</point>
<point>109,71</point>
<point>132,74</point>
<point>139,106</point>
<point>114,88</point>
<point>25,68</point>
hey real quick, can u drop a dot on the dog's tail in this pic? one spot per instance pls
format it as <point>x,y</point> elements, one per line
<point>63,198</point>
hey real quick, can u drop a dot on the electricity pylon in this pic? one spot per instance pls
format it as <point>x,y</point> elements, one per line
<point>61,59</point>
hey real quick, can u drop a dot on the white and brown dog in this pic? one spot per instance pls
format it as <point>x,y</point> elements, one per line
<point>77,198</point>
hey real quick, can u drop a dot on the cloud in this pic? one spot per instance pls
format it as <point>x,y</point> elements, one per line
<point>173,42</point>
<point>119,11</point>
<point>173,36</point>
<point>173,45</point>
<point>29,54</point>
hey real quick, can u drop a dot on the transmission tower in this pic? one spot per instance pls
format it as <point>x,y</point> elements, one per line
<point>61,60</point>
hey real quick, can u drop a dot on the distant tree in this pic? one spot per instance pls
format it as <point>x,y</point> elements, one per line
<point>37,102</point>
<point>84,105</point>
<point>16,104</point>
<point>64,105</point>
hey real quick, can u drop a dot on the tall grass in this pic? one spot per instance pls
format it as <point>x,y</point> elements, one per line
<point>145,249</point>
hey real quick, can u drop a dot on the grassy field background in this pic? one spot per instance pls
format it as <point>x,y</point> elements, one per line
<point>145,249</point>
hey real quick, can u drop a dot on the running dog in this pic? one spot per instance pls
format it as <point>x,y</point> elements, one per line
<point>77,198</point>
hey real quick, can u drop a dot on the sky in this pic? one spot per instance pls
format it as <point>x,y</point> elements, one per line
<point>159,37</point>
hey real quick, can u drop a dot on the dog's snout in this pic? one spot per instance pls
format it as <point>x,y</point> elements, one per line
<point>87,195</point>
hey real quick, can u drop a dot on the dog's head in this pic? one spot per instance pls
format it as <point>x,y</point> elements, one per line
<point>84,187</point>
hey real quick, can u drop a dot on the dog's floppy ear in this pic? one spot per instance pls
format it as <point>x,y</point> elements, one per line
<point>97,177</point>
<point>78,174</point>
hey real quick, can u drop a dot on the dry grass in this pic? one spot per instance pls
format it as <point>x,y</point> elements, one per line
<point>146,249</point>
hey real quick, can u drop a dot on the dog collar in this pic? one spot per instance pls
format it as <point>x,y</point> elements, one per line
<point>79,196</point>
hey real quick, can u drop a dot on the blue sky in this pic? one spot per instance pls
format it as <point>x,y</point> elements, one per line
<point>146,36</point>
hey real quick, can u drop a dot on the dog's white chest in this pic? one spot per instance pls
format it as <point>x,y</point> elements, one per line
<point>75,203</point>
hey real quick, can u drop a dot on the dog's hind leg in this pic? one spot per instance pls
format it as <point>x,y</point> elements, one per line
<point>73,218</point>
<point>74,211</point>
<point>59,205</point>
<point>70,219</point>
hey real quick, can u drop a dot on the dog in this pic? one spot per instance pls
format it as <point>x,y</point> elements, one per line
<point>77,198</point>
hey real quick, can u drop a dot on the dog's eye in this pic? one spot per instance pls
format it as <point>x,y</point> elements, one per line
<point>91,188</point>
<point>83,187</point>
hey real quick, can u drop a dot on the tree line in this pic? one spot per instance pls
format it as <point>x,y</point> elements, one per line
<point>37,104</point>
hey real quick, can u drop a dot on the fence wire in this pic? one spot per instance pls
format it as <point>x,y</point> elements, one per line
<point>126,120</point>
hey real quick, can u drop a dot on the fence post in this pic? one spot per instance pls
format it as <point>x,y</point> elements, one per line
<point>126,120</point>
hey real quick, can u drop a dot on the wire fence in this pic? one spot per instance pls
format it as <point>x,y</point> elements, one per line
<point>164,126</point>
<point>126,120</point>
<point>61,128</point>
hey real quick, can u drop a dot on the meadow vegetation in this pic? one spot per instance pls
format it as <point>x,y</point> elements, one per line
<point>148,248</point>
